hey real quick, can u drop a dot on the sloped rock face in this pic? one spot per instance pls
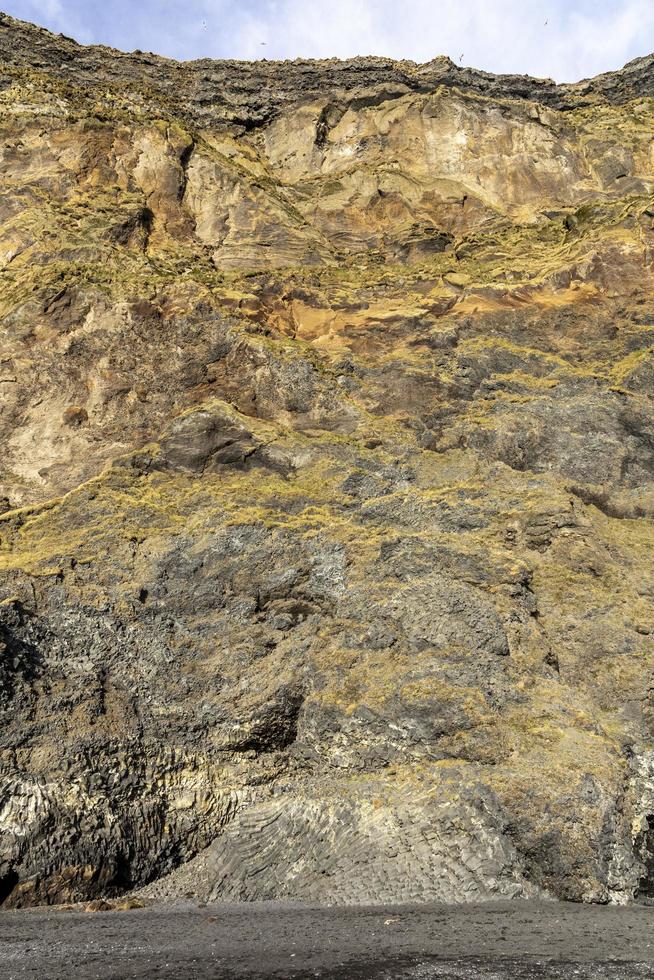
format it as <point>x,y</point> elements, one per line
<point>326,489</point>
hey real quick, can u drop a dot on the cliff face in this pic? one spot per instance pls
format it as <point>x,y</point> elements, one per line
<point>327,453</point>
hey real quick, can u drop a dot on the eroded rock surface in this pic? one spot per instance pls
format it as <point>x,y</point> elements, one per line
<point>326,493</point>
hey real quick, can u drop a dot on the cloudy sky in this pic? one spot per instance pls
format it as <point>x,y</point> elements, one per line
<point>563,39</point>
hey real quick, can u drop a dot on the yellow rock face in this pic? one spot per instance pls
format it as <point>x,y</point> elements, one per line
<point>326,417</point>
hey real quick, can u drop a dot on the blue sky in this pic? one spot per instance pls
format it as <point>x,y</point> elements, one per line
<point>563,40</point>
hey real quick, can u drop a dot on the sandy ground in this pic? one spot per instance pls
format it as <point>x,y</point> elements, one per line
<point>521,941</point>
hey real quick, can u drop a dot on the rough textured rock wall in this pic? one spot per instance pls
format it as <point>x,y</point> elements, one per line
<point>327,430</point>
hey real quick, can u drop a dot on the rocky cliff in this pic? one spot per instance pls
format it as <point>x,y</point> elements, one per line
<point>326,476</point>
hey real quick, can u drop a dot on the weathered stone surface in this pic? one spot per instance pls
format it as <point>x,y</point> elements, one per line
<point>326,483</point>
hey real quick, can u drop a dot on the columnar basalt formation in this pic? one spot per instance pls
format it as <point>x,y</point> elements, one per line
<point>326,478</point>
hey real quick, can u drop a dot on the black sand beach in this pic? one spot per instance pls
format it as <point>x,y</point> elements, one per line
<point>520,941</point>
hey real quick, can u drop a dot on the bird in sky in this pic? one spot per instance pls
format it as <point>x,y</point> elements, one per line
<point>204,25</point>
<point>461,59</point>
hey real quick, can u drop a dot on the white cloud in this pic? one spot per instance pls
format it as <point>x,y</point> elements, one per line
<point>602,43</point>
<point>567,41</point>
<point>295,28</point>
<point>44,11</point>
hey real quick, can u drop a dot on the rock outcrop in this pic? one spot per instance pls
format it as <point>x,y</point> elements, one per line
<point>326,489</point>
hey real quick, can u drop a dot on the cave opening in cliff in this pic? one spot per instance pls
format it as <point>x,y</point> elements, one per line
<point>7,884</point>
